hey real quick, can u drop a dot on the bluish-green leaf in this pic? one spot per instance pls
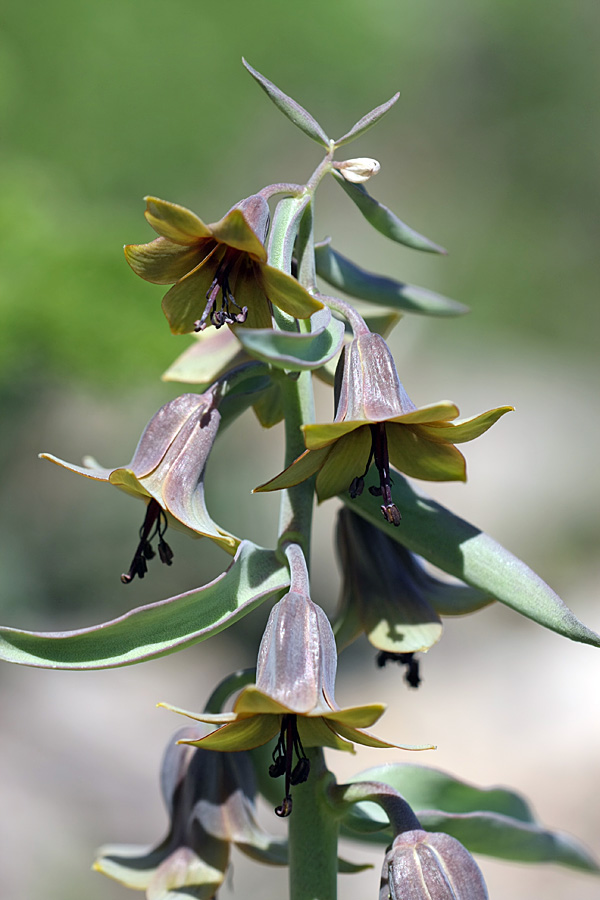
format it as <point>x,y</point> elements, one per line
<point>343,274</point>
<point>456,547</point>
<point>367,121</point>
<point>384,220</point>
<point>495,821</point>
<point>295,113</point>
<point>296,351</point>
<point>159,628</point>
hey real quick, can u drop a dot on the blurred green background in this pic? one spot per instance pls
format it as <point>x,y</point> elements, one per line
<point>492,151</point>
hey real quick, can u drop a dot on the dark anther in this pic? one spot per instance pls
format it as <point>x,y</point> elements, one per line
<point>356,487</point>
<point>411,675</point>
<point>300,772</point>
<point>288,744</point>
<point>225,314</point>
<point>154,524</point>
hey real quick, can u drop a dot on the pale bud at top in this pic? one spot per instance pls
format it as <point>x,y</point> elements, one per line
<point>424,866</point>
<point>357,170</point>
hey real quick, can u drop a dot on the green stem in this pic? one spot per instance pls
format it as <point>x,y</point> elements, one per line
<point>313,835</point>
<point>295,516</point>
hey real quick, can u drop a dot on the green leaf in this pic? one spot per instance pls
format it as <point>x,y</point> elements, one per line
<point>210,355</point>
<point>384,220</point>
<point>295,113</point>
<point>456,547</point>
<point>157,629</point>
<point>367,121</point>
<point>343,274</point>
<point>296,351</point>
<point>495,821</point>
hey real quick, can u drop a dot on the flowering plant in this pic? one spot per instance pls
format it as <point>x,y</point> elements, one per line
<point>253,276</point>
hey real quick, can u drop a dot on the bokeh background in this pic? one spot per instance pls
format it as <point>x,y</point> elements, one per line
<point>492,151</point>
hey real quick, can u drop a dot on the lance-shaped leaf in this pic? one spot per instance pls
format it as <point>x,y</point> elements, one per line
<point>295,113</point>
<point>343,274</point>
<point>464,551</point>
<point>495,821</point>
<point>296,351</point>
<point>156,629</point>
<point>384,220</point>
<point>367,121</point>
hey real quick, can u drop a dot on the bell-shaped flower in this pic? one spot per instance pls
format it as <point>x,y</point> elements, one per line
<point>167,473</point>
<point>293,697</point>
<point>226,259</point>
<point>210,799</point>
<point>385,592</point>
<point>430,866</point>
<point>376,421</point>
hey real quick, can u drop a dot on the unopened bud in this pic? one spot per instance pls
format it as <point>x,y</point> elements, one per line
<point>424,866</point>
<point>357,170</point>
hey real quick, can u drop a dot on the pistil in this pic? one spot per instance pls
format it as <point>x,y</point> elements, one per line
<point>155,523</point>
<point>379,452</point>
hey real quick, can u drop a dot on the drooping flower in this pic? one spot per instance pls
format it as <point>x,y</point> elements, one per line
<point>388,594</point>
<point>227,258</point>
<point>430,866</point>
<point>376,421</point>
<point>293,697</point>
<point>167,473</point>
<point>210,799</point>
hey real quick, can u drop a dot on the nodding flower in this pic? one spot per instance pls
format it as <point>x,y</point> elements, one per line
<point>293,697</point>
<point>167,473</point>
<point>377,422</point>
<point>219,272</point>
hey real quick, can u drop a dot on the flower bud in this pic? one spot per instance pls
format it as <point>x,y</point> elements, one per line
<point>358,170</point>
<point>424,866</point>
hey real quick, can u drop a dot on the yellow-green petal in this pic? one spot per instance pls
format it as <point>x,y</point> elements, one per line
<point>315,732</point>
<point>301,469</point>
<point>246,734</point>
<point>247,290</point>
<point>356,716</point>
<point>94,471</point>
<point>175,222</point>
<point>345,461</point>
<point>210,718</point>
<point>322,434</point>
<point>185,303</point>
<point>417,455</point>
<point>234,230</point>
<point>434,412</point>
<point>466,429</point>
<point>162,261</point>
<point>369,740</point>
<point>287,293</point>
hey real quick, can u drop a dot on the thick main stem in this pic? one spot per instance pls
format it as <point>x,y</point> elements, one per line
<point>313,836</point>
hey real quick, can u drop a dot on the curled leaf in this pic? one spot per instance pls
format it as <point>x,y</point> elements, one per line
<point>296,351</point>
<point>156,629</point>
